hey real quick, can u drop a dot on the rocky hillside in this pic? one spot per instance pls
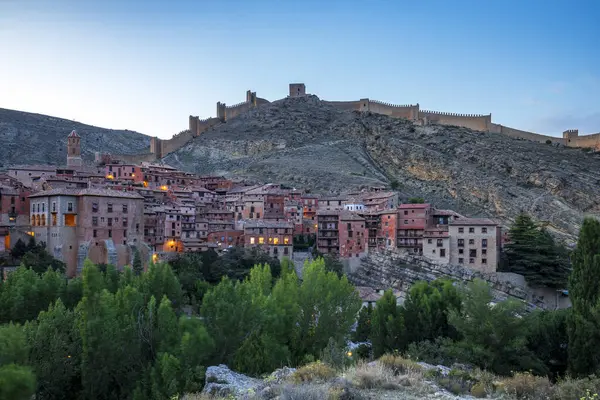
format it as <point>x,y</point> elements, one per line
<point>27,138</point>
<point>304,142</point>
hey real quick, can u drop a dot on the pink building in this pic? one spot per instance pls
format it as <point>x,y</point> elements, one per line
<point>353,236</point>
<point>412,221</point>
<point>100,224</point>
<point>273,237</point>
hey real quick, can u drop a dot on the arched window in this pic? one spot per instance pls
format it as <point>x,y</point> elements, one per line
<point>37,220</point>
<point>43,220</point>
<point>33,220</point>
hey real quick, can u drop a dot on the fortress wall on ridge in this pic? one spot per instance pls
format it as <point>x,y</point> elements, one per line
<point>591,141</point>
<point>237,109</point>
<point>407,111</point>
<point>519,134</point>
<point>345,105</point>
<point>478,122</point>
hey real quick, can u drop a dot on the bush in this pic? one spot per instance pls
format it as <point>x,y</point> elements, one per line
<point>576,389</point>
<point>398,364</point>
<point>313,372</point>
<point>335,355</point>
<point>363,351</point>
<point>526,386</point>
<point>478,390</point>
<point>372,376</point>
<point>436,353</point>
<point>548,141</point>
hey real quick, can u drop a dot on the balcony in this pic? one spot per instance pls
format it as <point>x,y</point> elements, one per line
<point>408,243</point>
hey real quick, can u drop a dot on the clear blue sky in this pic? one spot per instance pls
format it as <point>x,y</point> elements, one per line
<point>147,65</point>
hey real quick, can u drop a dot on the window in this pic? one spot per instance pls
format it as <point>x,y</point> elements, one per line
<point>471,230</point>
<point>69,220</point>
<point>137,228</point>
<point>473,253</point>
<point>54,220</point>
<point>125,233</point>
<point>53,206</point>
<point>483,230</point>
<point>286,240</point>
<point>43,204</point>
<point>483,252</point>
<point>261,240</point>
<point>109,207</point>
<point>251,240</point>
<point>461,260</point>
<point>429,241</point>
<point>471,261</point>
<point>110,233</point>
<point>95,233</point>
<point>124,222</point>
<point>38,207</point>
<point>275,240</point>
<point>69,206</point>
<point>349,233</point>
<point>442,252</point>
<point>461,242</point>
<point>94,221</point>
<point>257,215</point>
<point>483,242</point>
<point>406,221</point>
<point>125,208</point>
<point>471,241</point>
<point>461,251</point>
<point>94,207</point>
<point>109,221</point>
<point>440,242</point>
<point>484,260</point>
<point>405,212</point>
<point>461,230</point>
<point>285,251</point>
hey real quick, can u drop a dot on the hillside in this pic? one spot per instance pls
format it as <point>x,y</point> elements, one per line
<point>304,142</point>
<point>28,138</point>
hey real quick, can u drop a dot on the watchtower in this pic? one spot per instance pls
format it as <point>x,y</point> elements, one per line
<point>571,136</point>
<point>297,89</point>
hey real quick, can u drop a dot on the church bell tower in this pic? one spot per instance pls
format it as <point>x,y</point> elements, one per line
<point>74,150</point>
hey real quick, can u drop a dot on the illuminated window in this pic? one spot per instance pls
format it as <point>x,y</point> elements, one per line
<point>261,240</point>
<point>251,240</point>
<point>286,240</point>
<point>270,240</point>
<point>69,220</point>
<point>276,241</point>
<point>54,220</point>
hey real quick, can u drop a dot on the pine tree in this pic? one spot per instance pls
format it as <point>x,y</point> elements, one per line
<point>533,253</point>
<point>387,326</point>
<point>584,323</point>
<point>137,262</point>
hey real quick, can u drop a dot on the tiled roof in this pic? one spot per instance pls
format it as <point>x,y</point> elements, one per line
<point>348,216</point>
<point>404,206</point>
<point>473,221</point>
<point>267,224</point>
<point>88,192</point>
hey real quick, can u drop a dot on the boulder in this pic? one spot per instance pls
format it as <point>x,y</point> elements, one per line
<point>223,382</point>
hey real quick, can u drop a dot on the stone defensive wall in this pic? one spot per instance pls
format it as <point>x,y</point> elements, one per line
<point>519,134</point>
<point>477,122</point>
<point>481,122</point>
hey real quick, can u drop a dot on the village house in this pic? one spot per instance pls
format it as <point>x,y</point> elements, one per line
<point>475,243</point>
<point>273,237</point>
<point>100,224</point>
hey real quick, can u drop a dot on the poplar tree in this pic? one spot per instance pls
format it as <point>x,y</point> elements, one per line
<point>584,322</point>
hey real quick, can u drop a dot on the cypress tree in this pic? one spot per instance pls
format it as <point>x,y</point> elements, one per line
<point>584,323</point>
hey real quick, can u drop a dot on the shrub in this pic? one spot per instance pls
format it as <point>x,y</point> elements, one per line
<point>372,376</point>
<point>335,355</point>
<point>576,389</point>
<point>398,364</point>
<point>313,372</point>
<point>548,141</point>
<point>437,352</point>
<point>478,390</point>
<point>526,386</point>
<point>363,352</point>
<point>304,392</point>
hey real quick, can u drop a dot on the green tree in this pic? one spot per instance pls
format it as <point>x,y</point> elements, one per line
<point>493,334</point>
<point>260,353</point>
<point>160,281</point>
<point>55,354</point>
<point>13,345</point>
<point>426,307</point>
<point>195,351</point>
<point>387,325</point>
<point>363,326</point>
<point>17,382</point>
<point>584,323</point>
<point>328,308</point>
<point>188,269</point>
<point>547,338</point>
<point>138,268</point>
<point>533,253</point>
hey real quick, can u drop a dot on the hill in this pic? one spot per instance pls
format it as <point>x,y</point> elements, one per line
<point>304,142</point>
<point>28,138</point>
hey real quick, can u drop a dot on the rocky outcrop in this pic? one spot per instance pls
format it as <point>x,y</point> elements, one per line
<point>304,142</point>
<point>398,271</point>
<point>223,382</point>
<point>28,138</point>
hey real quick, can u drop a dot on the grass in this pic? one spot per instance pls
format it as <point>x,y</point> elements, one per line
<point>526,386</point>
<point>399,364</point>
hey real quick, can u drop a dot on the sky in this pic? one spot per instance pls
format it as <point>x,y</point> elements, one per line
<point>148,65</point>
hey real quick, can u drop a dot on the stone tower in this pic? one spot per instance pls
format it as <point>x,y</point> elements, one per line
<point>74,150</point>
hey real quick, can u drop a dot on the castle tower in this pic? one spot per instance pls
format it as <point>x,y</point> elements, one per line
<point>74,150</point>
<point>297,89</point>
